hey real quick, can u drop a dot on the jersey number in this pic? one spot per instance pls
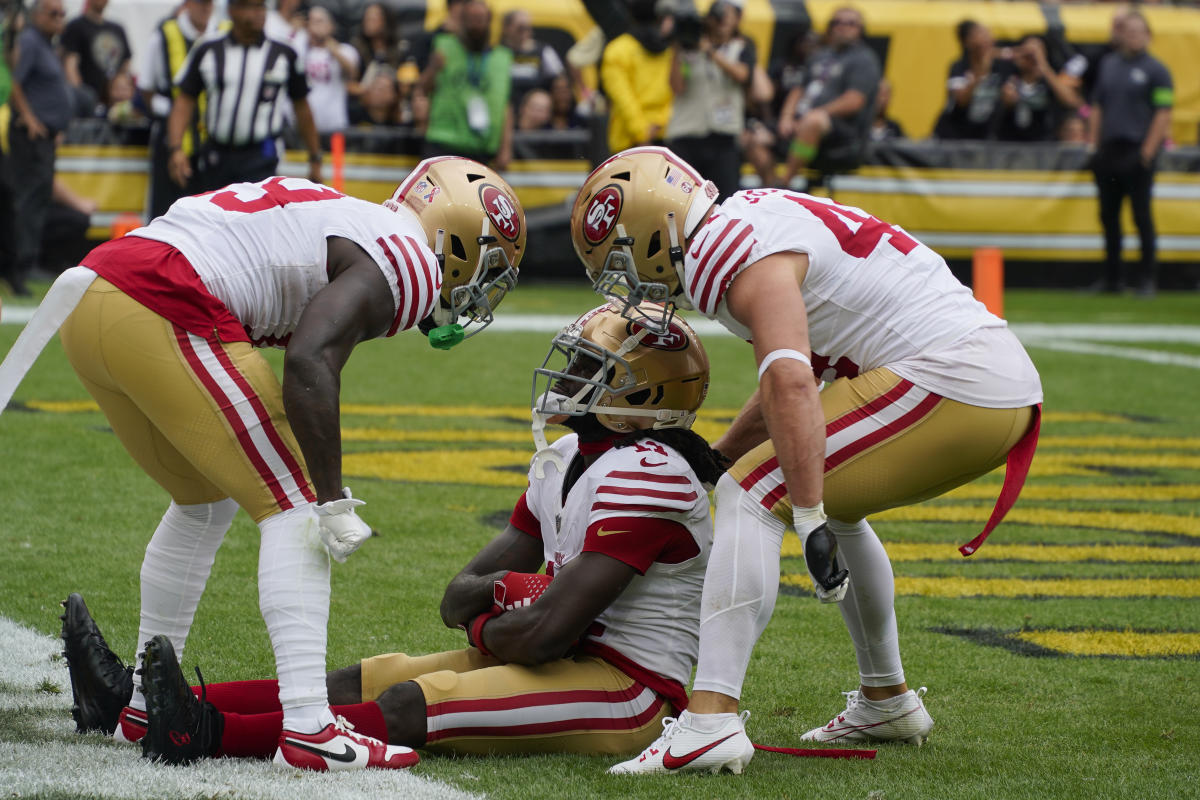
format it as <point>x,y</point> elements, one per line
<point>275,195</point>
<point>860,242</point>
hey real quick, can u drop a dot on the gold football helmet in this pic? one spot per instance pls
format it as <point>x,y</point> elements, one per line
<point>630,376</point>
<point>630,223</point>
<point>476,227</point>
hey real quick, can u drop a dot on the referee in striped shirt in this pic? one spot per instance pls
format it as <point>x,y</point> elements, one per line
<point>245,77</point>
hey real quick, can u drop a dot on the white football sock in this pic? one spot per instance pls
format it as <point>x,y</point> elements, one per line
<point>705,723</point>
<point>869,607</point>
<point>293,595</point>
<point>740,588</point>
<point>178,560</point>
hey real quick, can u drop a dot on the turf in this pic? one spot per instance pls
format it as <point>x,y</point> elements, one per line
<point>1016,717</point>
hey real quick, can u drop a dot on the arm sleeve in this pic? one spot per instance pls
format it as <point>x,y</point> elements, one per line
<point>614,73</point>
<point>24,64</point>
<point>862,73</point>
<point>72,38</point>
<point>188,80</point>
<point>151,69</point>
<point>748,56</point>
<point>1162,90</point>
<point>523,519</point>
<point>640,541</point>
<point>297,85</point>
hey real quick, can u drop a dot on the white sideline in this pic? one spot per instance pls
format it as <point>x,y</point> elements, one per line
<point>53,759</point>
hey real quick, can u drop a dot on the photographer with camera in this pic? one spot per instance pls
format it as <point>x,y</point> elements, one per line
<point>710,72</point>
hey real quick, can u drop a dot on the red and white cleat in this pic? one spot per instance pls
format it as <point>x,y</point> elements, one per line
<point>131,725</point>
<point>338,747</point>
<point>684,748</point>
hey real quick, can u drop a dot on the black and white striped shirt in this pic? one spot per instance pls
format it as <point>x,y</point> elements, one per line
<point>245,87</point>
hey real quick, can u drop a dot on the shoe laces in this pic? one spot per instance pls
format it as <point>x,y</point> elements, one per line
<point>853,698</point>
<point>347,728</point>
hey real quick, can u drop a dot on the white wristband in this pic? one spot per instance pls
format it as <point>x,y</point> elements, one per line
<point>775,355</point>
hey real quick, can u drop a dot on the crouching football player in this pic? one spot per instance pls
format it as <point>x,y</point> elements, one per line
<point>590,657</point>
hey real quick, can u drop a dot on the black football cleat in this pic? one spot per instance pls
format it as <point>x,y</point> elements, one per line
<point>181,729</point>
<point>101,684</point>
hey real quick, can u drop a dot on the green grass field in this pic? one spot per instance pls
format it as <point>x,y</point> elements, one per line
<point>1063,660</point>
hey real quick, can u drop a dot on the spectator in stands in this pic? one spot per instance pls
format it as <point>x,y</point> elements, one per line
<point>1074,130</point>
<point>468,82</point>
<point>1035,97</point>
<point>884,127</point>
<point>974,86</point>
<point>412,103</point>
<point>286,23</point>
<point>831,115</point>
<point>1131,111</point>
<point>41,101</point>
<point>535,111</point>
<point>710,73</point>
<point>162,59</point>
<point>330,66</point>
<point>375,40</point>
<point>761,146</point>
<point>378,104</point>
<point>95,51</point>
<point>7,40</point>
<point>122,110</point>
<point>635,72</point>
<point>535,64</point>
<point>242,69</point>
<point>564,113</point>
<point>452,24</point>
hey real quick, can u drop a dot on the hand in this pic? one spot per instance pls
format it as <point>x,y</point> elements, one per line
<point>518,589</point>
<point>34,125</point>
<point>1147,159</point>
<point>341,529</point>
<point>314,171</point>
<point>179,167</point>
<point>787,127</point>
<point>1009,92</point>
<point>820,554</point>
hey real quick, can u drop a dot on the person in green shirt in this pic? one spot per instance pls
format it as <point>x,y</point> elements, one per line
<point>468,82</point>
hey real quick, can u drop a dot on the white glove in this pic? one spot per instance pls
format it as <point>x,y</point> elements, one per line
<point>341,529</point>
<point>820,554</point>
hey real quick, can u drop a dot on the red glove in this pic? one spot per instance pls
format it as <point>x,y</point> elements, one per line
<point>518,589</point>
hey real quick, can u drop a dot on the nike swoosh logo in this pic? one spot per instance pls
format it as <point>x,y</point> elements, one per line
<point>603,532</point>
<point>648,463</point>
<point>672,761</point>
<point>346,757</point>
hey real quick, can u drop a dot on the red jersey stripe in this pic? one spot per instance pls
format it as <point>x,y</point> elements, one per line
<point>702,260</point>
<point>873,407</point>
<point>722,271</point>
<point>231,416</point>
<point>391,257</point>
<point>290,463</point>
<point>882,434</point>
<point>758,473</point>
<point>412,302</point>
<point>638,491</point>
<point>649,476</point>
<point>774,496</point>
<point>634,507</point>
<point>531,699</point>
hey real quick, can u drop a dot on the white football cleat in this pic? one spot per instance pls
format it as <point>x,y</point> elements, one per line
<point>683,748</point>
<point>901,718</point>
<point>338,747</point>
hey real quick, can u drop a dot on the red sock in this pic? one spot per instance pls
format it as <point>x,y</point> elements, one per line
<point>251,735</point>
<point>244,697</point>
<point>367,719</point>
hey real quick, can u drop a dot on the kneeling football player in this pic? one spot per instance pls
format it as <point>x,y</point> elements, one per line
<point>589,657</point>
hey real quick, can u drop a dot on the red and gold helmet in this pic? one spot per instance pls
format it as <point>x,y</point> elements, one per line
<point>630,222</point>
<point>630,376</point>
<point>476,227</point>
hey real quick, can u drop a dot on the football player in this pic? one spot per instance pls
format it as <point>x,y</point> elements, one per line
<point>589,657</point>
<point>162,330</point>
<point>925,390</point>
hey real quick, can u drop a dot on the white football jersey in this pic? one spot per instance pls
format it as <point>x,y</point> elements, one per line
<point>874,296</point>
<point>260,249</point>
<point>655,622</point>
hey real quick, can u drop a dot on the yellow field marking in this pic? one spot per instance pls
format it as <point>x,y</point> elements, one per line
<point>1121,442</point>
<point>1047,464</point>
<point>484,467</point>
<point>990,491</point>
<point>466,436</point>
<point>1114,643</point>
<point>1081,416</point>
<point>1108,520</point>
<point>63,406</point>
<point>1040,553</point>
<point>1018,587</point>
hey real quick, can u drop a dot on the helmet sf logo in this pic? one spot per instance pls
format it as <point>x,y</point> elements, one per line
<point>602,214</point>
<point>501,211</point>
<point>671,340</point>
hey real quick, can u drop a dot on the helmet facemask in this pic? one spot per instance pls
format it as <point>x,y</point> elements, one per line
<point>620,284</point>
<point>475,300</point>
